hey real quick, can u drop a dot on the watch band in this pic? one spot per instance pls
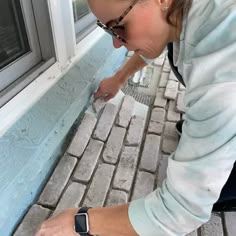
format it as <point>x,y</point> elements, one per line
<point>84,210</point>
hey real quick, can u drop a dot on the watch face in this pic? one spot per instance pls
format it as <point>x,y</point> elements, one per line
<point>81,223</point>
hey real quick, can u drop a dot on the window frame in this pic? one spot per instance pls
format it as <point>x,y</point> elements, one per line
<point>18,67</point>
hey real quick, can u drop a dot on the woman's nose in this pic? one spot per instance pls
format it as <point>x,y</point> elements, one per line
<point>117,43</point>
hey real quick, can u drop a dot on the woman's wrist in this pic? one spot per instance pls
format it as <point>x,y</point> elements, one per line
<point>121,77</point>
<point>108,221</point>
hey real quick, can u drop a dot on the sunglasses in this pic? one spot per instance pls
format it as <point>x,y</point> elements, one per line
<point>117,31</point>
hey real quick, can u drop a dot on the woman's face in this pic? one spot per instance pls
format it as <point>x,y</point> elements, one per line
<point>145,28</point>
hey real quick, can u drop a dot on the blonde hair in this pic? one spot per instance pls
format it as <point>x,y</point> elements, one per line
<point>177,10</point>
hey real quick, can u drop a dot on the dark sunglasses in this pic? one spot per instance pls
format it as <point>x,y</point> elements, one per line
<point>115,30</point>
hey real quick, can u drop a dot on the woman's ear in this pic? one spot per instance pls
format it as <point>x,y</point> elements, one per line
<point>165,4</point>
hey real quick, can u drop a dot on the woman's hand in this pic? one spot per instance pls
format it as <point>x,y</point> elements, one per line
<point>60,225</point>
<point>108,88</point>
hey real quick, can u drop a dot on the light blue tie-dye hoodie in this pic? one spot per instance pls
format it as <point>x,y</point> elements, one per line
<point>197,171</point>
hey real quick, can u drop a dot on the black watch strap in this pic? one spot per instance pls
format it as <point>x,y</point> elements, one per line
<point>84,209</point>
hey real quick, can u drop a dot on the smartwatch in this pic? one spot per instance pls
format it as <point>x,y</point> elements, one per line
<point>81,222</point>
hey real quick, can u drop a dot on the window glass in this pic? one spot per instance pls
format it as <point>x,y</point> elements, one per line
<point>13,36</point>
<point>80,9</point>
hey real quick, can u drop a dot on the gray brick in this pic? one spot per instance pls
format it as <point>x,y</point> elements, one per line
<point>173,77</point>
<point>144,185</point>
<point>230,219</point>
<point>126,111</point>
<point>71,197</point>
<point>155,128</point>
<point>114,145</point>
<point>213,227</point>
<point>86,166</point>
<point>158,115</point>
<point>116,197</point>
<point>150,153</point>
<point>160,101</point>
<point>166,67</point>
<point>159,61</point>
<point>83,135</point>
<point>180,107</point>
<point>98,104</point>
<point>135,132</point>
<point>164,80</point>
<point>172,115</point>
<point>99,186</point>
<point>105,122</point>
<point>161,175</point>
<point>170,139</point>
<point>171,90</point>
<point>58,181</point>
<point>126,168</point>
<point>35,216</point>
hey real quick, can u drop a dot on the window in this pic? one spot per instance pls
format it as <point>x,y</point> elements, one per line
<point>19,47</point>
<point>13,38</point>
<point>20,43</point>
<point>83,17</point>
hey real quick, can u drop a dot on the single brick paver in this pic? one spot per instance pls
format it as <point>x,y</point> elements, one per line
<point>86,166</point>
<point>230,223</point>
<point>126,168</point>
<point>166,67</point>
<point>82,135</point>
<point>150,153</point>
<point>71,197</point>
<point>126,111</point>
<point>213,227</point>
<point>170,139</point>
<point>172,115</point>
<point>161,174</point>
<point>135,132</point>
<point>159,61</point>
<point>172,76</point>
<point>171,90</point>
<point>58,181</point>
<point>163,80</point>
<point>35,216</point>
<point>180,107</point>
<point>160,101</point>
<point>116,197</point>
<point>105,122</point>
<point>144,185</point>
<point>100,185</point>
<point>155,128</point>
<point>158,115</point>
<point>114,145</point>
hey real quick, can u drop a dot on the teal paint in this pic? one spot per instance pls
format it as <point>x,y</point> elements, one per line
<point>31,147</point>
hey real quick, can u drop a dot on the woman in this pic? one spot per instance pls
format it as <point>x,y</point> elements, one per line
<point>204,51</point>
